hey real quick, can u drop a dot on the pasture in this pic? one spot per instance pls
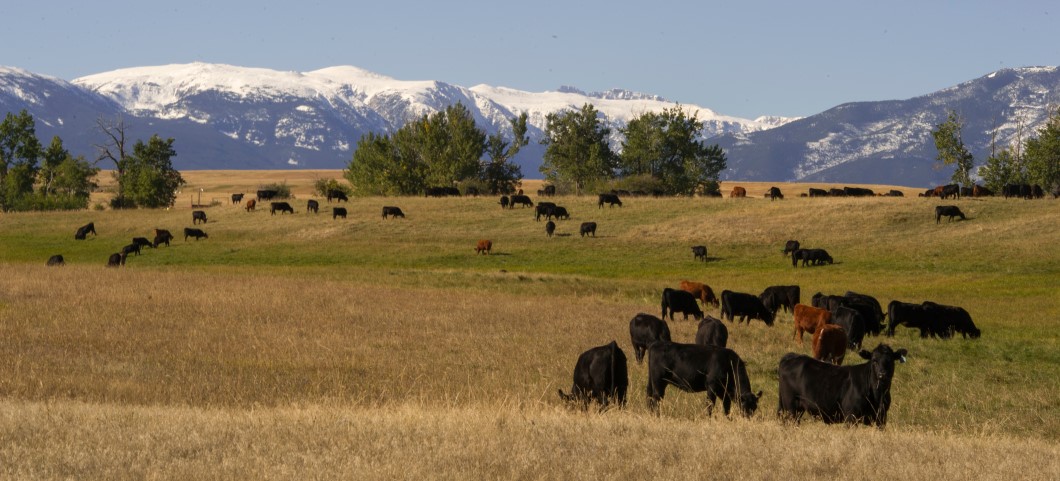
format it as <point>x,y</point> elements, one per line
<point>298,346</point>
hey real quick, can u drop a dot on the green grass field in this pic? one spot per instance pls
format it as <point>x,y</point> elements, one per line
<point>300,346</point>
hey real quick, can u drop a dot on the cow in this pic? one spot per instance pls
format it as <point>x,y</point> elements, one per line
<point>609,199</point>
<point>869,308</point>
<point>587,228</point>
<point>142,242</point>
<point>56,260</point>
<point>116,260</point>
<point>699,253</point>
<point>790,246</point>
<point>712,332</point>
<point>162,236</point>
<point>674,300</point>
<point>966,192</point>
<point>337,195</point>
<point>852,323</point>
<point>694,368</point>
<point>283,207</point>
<point>818,192</point>
<point>702,292</point>
<point>559,212</point>
<point>84,230</point>
<point>337,212</point>
<point>836,192</point>
<point>812,256</point>
<point>809,319</point>
<point>1037,192</point>
<point>549,191</point>
<point>776,297</point>
<point>980,191</point>
<point>130,249</point>
<point>830,344</point>
<point>601,374</point>
<point>237,198</point>
<point>520,199</point>
<point>950,319</point>
<point>949,211</point>
<point>312,206</point>
<point>264,195</point>
<point>645,330</point>
<point>745,306</point>
<point>198,216</point>
<point>196,233</point>
<point>543,209</point>
<point>392,211</point>
<point>504,202</point>
<point>950,190</point>
<point>550,228</point>
<point>894,193</point>
<point>858,192</point>
<point>738,192</point>
<point>914,316</point>
<point>251,205</point>
<point>774,194</point>
<point>483,246</point>
<point>838,394</point>
<point>471,190</point>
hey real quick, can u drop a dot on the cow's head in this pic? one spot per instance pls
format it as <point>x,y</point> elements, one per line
<point>882,361</point>
<point>749,403</point>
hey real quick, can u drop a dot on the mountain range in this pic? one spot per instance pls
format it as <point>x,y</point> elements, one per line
<point>227,117</point>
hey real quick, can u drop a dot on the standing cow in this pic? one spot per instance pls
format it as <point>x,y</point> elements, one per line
<point>712,332</point>
<point>680,301</point>
<point>312,206</point>
<point>738,192</point>
<point>699,253</point>
<point>484,246</point>
<point>601,374</point>
<point>645,330</point>
<point>694,368</point>
<point>198,216</point>
<point>392,212</point>
<point>588,228</point>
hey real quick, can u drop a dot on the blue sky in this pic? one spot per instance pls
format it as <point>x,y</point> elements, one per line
<point>741,58</point>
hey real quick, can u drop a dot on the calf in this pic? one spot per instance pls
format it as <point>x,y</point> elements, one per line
<point>550,228</point>
<point>198,216</point>
<point>587,228</point>
<point>699,253</point>
<point>701,291</point>
<point>337,212</point>
<point>609,199</point>
<point>949,211</point>
<point>283,207</point>
<point>809,319</point>
<point>116,260</point>
<point>484,246</point>
<point>745,306</point>
<point>830,344</point>
<point>392,212</point>
<point>196,233</point>
<point>312,206</point>
<point>601,374</point>
<point>251,205</point>
<point>774,194</point>
<point>712,332</point>
<point>776,297</point>
<point>694,368</point>
<point>680,301</point>
<point>645,330</point>
<point>738,192</point>
<point>142,242</point>
<point>504,202</point>
<point>790,247</point>
<point>162,236</point>
<point>83,231</point>
<point>237,198</point>
<point>56,260</point>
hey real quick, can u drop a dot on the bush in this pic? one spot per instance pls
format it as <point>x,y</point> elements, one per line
<point>282,190</point>
<point>322,186</point>
<point>38,201</point>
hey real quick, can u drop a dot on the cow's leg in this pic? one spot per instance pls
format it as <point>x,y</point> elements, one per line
<point>656,391</point>
<point>711,400</point>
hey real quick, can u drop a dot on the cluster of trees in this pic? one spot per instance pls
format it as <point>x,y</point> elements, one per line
<point>1034,161</point>
<point>146,177</point>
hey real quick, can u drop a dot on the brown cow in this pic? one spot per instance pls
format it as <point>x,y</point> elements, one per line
<point>738,192</point>
<point>251,204</point>
<point>937,192</point>
<point>830,344</point>
<point>484,247</point>
<point>702,292</point>
<point>809,319</point>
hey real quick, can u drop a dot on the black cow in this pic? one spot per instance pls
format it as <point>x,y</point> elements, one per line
<point>543,209</point>
<point>837,394</point>
<point>949,211</point>
<point>951,190</point>
<point>84,230</point>
<point>790,246</point>
<point>549,190</point>
<point>1037,192</point>
<point>337,212</point>
<point>312,206</point>
<point>337,195</point>
<point>550,228</point>
<point>858,192</point>
<point>197,216</point>
<point>712,332</point>
<point>774,193</point>
<point>694,368</point>
<point>283,207</point>
<point>521,200</point>
<point>196,233</point>
<point>559,212</point>
<point>745,306</point>
<point>237,198</point>
<point>601,374</point>
<point>951,319</point>
<point>116,260</point>
<point>162,236</point>
<point>776,297</point>
<point>587,228</point>
<point>267,194</point>
<point>142,242</point>
<point>852,323</point>
<point>869,308</point>
<point>56,260</point>
<point>504,202</point>
<point>818,192</point>
<point>609,199</point>
<point>812,256</point>
<point>645,330</point>
<point>130,249</point>
<point>392,212</point>
<point>699,252</point>
<point>675,300</point>
<point>894,193</point>
<point>836,192</point>
<point>914,316</point>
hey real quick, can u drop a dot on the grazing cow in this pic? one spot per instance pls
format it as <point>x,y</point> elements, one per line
<point>520,199</point>
<point>550,228</point>
<point>283,207</point>
<point>130,249</point>
<point>483,246</point>
<point>914,316</point>
<point>504,202</point>
<point>812,256</point>
<point>869,308</point>
<point>894,193</point>
<point>680,301</point>
<point>609,199</point>
<point>337,195</point>
<point>818,192</point>
<point>830,344</point>
<point>645,330</point>
<point>162,236</point>
<point>56,260</point>
<point>837,394</point>
<point>264,195</point>
<point>84,230</point>
<point>312,206</point>
<point>694,368</point>
<point>745,306</point>
<point>951,190</point>
<point>196,233</point>
<point>601,374</point>
<point>858,192</point>
<point>852,323</point>
<point>774,193</point>
<point>559,212</point>
<point>836,192</point>
<point>142,242</point>
<point>543,209</point>
<point>949,211</point>
<point>587,228</point>
<point>950,319</point>
<point>790,246</point>
<point>237,198</point>
<point>980,191</point>
<point>198,216</point>
<point>712,332</point>
<point>738,192</point>
<point>251,205</point>
<point>337,212</point>
<point>809,319</point>
<point>777,297</point>
<point>116,260</point>
<point>550,190</point>
<point>392,212</point>
<point>699,253</point>
<point>702,292</point>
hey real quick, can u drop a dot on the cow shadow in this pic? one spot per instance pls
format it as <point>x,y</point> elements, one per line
<point>566,234</point>
<point>709,259</point>
<point>491,254</point>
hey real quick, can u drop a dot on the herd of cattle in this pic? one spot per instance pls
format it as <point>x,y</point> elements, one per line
<point>161,237</point>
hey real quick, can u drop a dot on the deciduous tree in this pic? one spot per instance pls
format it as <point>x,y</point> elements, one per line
<point>577,148</point>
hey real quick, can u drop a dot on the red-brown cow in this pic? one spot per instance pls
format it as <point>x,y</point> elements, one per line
<point>251,204</point>
<point>830,344</point>
<point>702,292</point>
<point>484,246</point>
<point>809,319</point>
<point>738,192</point>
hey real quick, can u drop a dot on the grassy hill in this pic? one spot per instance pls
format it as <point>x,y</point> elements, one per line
<point>300,346</point>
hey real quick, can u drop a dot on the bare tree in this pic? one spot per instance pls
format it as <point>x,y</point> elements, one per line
<point>113,149</point>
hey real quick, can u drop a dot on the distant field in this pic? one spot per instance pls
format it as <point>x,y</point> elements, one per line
<point>300,346</point>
